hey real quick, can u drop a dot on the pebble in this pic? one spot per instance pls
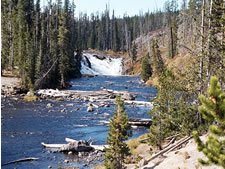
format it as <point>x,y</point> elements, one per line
<point>49,105</point>
<point>66,161</point>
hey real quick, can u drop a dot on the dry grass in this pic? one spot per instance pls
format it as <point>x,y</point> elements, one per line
<point>59,99</point>
<point>100,167</point>
<point>30,98</point>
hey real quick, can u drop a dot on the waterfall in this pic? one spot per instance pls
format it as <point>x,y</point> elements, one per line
<point>94,64</point>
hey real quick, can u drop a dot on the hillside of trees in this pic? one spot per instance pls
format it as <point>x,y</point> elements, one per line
<point>45,42</point>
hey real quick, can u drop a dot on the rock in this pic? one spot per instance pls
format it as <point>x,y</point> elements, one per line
<point>99,57</point>
<point>49,105</point>
<point>59,99</point>
<point>112,96</point>
<point>128,96</point>
<point>142,163</point>
<point>71,104</point>
<point>49,167</point>
<point>66,161</point>
<point>63,110</point>
<point>70,152</point>
<point>90,109</point>
<point>107,105</point>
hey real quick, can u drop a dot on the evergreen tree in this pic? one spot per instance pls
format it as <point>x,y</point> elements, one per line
<point>159,67</point>
<point>134,52</point>
<point>164,112</point>
<point>213,109</point>
<point>119,130</point>
<point>146,69</point>
<point>63,42</point>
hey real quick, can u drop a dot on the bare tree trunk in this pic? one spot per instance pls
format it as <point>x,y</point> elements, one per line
<point>202,47</point>
<point>171,38</point>
<point>208,46</point>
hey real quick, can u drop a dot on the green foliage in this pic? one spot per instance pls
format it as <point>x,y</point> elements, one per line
<point>134,52</point>
<point>213,108</point>
<point>157,60</point>
<point>119,130</point>
<point>146,69</point>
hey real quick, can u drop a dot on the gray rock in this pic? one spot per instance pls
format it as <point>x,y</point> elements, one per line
<point>66,161</point>
<point>49,105</point>
<point>128,96</point>
<point>90,109</point>
<point>142,163</point>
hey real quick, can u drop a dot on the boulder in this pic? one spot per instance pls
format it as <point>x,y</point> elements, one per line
<point>142,163</point>
<point>99,57</point>
<point>49,105</point>
<point>90,108</point>
<point>128,96</point>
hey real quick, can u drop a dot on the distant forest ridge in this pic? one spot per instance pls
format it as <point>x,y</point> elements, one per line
<point>41,41</point>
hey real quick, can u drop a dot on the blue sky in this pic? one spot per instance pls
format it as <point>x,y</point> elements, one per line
<point>131,7</point>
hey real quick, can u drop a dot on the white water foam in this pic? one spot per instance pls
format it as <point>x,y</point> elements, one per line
<point>107,66</point>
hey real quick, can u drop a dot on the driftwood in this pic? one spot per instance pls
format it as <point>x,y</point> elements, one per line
<point>170,148</point>
<point>138,102</point>
<point>171,141</point>
<point>21,160</point>
<point>173,136</point>
<point>25,132</point>
<point>140,122</point>
<point>137,122</point>
<point>37,83</point>
<point>75,146</point>
<point>178,145</point>
<point>96,147</point>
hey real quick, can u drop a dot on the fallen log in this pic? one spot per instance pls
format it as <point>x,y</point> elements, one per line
<point>75,146</point>
<point>21,160</point>
<point>140,122</point>
<point>137,122</point>
<point>52,145</point>
<point>96,147</point>
<point>170,148</point>
<point>171,137</point>
<point>171,141</point>
<point>139,102</point>
<point>178,145</point>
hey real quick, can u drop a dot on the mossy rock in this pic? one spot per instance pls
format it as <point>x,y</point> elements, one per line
<point>59,99</point>
<point>29,98</point>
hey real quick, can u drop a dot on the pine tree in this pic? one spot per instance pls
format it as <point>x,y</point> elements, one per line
<point>119,130</point>
<point>146,69</point>
<point>134,52</point>
<point>213,109</point>
<point>63,42</point>
<point>157,59</point>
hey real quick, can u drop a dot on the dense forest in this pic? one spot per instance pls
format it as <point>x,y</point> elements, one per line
<point>45,42</point>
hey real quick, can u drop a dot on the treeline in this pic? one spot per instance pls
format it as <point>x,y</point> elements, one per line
<point>45,42</point>
<point>40,41</point>
<point>105,32</point>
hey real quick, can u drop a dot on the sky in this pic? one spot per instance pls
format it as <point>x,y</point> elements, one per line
<point>130,7</point>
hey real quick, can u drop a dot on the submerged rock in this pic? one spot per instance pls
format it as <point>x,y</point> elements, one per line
<point>90,108</point>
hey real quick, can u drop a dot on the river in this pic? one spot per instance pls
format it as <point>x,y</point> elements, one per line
<point>26,124</point>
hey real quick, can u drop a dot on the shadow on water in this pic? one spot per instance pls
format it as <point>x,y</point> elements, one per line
<point>26,124</point>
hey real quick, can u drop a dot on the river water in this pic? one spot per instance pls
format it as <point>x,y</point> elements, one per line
<point>52,125</point>
<point>26,124</point>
